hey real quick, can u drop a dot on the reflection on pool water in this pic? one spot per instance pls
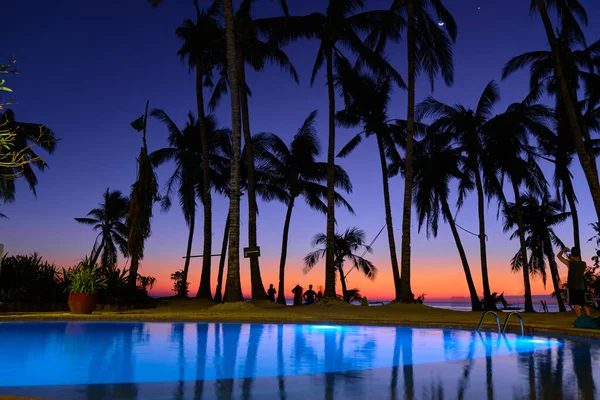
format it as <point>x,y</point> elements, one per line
<point>187,360</point>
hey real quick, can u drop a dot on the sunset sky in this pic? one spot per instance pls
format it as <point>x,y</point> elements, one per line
<point>88,67</point>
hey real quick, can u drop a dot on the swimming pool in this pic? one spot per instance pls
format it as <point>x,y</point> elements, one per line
<point>188,360</point>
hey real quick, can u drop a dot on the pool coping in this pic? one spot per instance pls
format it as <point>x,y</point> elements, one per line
<point>530,330</point>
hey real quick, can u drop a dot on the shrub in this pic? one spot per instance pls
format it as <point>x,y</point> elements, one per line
<point>180,287</point>
<point>86,280</point>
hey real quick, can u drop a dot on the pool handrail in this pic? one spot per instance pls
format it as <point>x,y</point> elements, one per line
<point>483,317</point>
<point>510,314</point>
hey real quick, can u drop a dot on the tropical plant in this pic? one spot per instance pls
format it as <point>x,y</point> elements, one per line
<point>539,217</point>
<point>296,169</point>
<point>437,162</point>
<point>86,280</point>
<point>180,285</point>
<point>570,11</point>
<point>144,192</point>
<point>467,128</point>
<point>184,148</point>
<point>339,27</point>
<point>109,220</point>
<point>367,99</point>
<point>429,50</point>
<point>30,278</point>
<point>346,246</point>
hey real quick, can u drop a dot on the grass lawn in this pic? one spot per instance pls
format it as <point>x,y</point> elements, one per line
<point>417,315</point>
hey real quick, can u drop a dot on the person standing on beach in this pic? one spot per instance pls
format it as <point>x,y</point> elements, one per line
<point>271,293</point>
<point>297,295</point>
<point>575,280</point>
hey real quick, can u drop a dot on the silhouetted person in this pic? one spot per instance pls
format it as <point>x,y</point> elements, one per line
<point>319,295</point>
<point>575,280</point>
<point>297,295</point>
<point>271,293</point>
<point>310,295</point>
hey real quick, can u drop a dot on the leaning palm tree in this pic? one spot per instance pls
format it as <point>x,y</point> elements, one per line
<point>437,162</point>
<point>144,192</point>
<point>429,50</point>
<point>367,99</point>
<point>109,220</point>
<point>466,127</point>
<point>297,170</point>
<point>539,216</point>
<point>346,247</point>
<point>25,137</point>
<point>185,149</point>
<point>338,28</point>
<point>204,49</point>
<point>570,11</point>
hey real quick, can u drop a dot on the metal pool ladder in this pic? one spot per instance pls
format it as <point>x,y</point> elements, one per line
<point>505,326</point>
<point>483,317</point>
<point>516,314</point>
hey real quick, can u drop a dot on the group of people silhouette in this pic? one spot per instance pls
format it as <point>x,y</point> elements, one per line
<point>310,296</point>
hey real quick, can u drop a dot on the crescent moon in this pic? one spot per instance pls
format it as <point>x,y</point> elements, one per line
<point>441,23</point>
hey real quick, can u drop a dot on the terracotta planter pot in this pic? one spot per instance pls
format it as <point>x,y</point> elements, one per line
<point>82,303</point>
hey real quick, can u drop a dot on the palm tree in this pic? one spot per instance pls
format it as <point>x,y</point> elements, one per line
<point>267,186</point>
<point>144,192</point>
<point>339,26</point>
<point>109,219</point>
<point>429,50</point>
<point>466,127</point>
<point>252,50</point>
<point>570,11</point>
<point>25,136</point>
<point>204,49</point>
<point>506,145</point>
<point>185,148</point>
<point>296,168</point>
<point>367,99</point>
<point>436,163</point>
<point>539,219</point>
<point>346,246</point>
<point>557,144</point>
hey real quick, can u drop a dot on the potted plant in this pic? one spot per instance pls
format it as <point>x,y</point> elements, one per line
<point>83,286</point>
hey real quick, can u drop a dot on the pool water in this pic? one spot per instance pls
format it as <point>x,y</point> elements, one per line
<point>204,361</point>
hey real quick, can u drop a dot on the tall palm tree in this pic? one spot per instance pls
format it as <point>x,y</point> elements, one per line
<point>109,220</point>
<point>144,192</point>
<point>204,49</point>
<point>571,11</point>
<point>466,127</point>
<point>26,137</point>
<point>539,218</point>
<point>367,99</point>
<point>346,246</point>
<point>506,145</point>
<point>256,52</point>
<point>429,50</point>
<point>436,163</point>
<point>337,28</point>
<point>296,168</point>
<point>185,149</point>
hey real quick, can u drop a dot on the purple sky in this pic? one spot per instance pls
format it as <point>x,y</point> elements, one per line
<point>88,67</point>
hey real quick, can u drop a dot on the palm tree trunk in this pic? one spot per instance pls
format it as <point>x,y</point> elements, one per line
<point>570,193</point>
<point>284,245</point>
<point>133,270</point>
<point>388,214</point>
<point>204,289</point>
<point>219,291</point>
<point>570,104</point>
<point>404,292</point>
<point>555,275</point>
<point>233,287</point>
<point>188,252</point>
<point>258,289</point>
<point>475,303</point>
<point>523,250</point>
<point>487,294</point>
<point>330,231</point>
<point>95,255</point>
<point>343,283</point>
